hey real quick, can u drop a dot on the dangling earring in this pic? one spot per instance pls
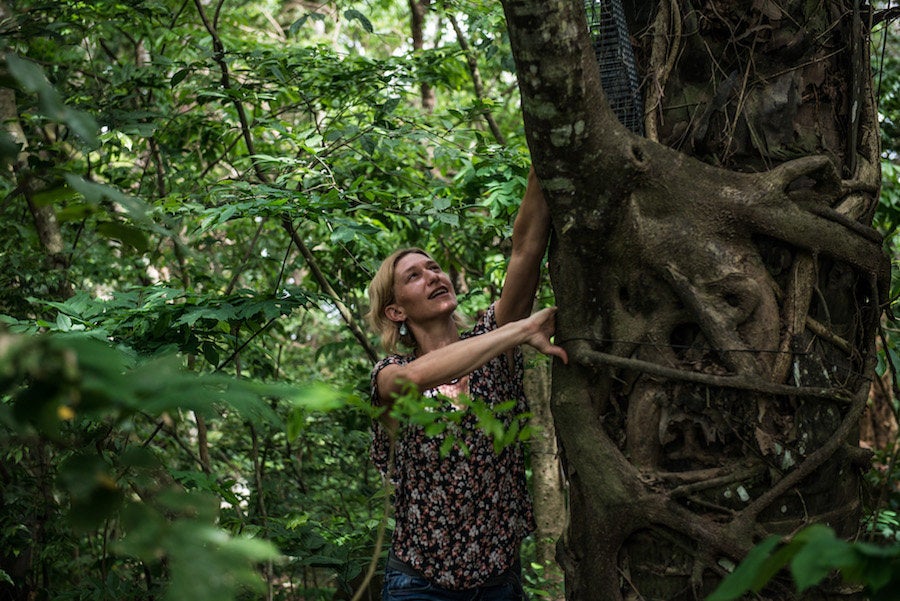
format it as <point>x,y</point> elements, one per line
<point>404,331</point>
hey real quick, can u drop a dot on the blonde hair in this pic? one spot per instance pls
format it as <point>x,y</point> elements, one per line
<point>381,294</point>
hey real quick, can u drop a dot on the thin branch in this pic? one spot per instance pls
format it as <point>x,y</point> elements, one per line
<point>797,297</point>
<point>662,60</point>
<point>258,467</point>
<point>738,475</point>
<point>581,353</point>
<point>234,355</point>
<point>323,282</point>
<point>249,251</point>
<point>382,527</point>
<point>477,83</point>
<point>225,80</point>
<point>888,14</point>
<point>813,461</point>
<point>822,331</point>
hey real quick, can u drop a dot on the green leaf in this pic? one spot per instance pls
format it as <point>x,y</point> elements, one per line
<point>354,14</point>
<point>31,77</point>
<point>179,76</point>
<point>211,353</point>
<point>746,577</point>
<point>318,397</point>
<point>136,208</point>
<point>126,234</point>
<point>295,423</point>
<point>63,322</point>
<point>390,105</point>
<point>54,196</point>
<point>820,552</point>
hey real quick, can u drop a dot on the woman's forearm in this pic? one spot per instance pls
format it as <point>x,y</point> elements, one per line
<point>464,356</point>
<point>452,361</point>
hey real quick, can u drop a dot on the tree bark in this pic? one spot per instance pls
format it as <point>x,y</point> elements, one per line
<point>719,291</point>
<point>30,184</point>
<point>417,10</point>
<point>549,496</point>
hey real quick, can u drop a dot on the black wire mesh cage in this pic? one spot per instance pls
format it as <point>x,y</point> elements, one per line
<point>618,71</point>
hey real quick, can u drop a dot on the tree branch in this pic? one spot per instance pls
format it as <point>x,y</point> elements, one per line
<point>662,61</point>
<point>812,461</point>
<point>346,315</point>
<point>319,276</point>
<point>580,352</point>
<point>477,83</point>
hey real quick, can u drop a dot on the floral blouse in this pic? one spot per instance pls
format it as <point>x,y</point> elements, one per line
<point>460,517</point>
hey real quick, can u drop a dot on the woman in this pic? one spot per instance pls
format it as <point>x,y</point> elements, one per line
<point>460,515</point>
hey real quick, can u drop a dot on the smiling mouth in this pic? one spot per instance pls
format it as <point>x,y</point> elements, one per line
<point>438,293</point>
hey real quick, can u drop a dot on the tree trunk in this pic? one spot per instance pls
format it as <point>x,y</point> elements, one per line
<point>549,496</point>
<point>417,10</point>
<point>30,184</point>
<point>719,289</point>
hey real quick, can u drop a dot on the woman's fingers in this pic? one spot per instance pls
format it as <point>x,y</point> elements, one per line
<point>560,352</point>
<point>545,319</point>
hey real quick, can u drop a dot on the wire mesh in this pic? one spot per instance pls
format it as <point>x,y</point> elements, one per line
<point>618,70</point>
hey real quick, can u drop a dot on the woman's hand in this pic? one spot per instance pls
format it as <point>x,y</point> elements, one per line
<point>540,328</point>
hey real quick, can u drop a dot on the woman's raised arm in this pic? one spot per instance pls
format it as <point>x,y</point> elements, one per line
<point>531,231</point>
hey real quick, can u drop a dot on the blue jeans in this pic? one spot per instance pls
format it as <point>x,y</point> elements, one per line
<point>403,587</point>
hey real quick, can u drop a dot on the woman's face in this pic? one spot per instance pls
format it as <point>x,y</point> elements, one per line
<point>422,291</point>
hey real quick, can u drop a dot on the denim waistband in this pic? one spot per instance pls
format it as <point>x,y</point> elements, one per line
<point>513,573</point>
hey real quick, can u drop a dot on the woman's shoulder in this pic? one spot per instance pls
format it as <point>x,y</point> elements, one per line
<point>486,321</point>
<point>395,359</point>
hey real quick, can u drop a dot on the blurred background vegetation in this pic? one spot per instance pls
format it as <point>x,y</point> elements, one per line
<point>194,197</point>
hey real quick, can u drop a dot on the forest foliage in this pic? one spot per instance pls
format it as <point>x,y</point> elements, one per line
<point>195,196</point>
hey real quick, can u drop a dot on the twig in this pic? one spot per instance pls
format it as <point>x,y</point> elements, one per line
<point>820,330</point>
<point>237,272</point>
<point>258,467</point>
<point>244,344</point>
<point>735,476</point>
<point>664,52</point>
<point>796,309</point>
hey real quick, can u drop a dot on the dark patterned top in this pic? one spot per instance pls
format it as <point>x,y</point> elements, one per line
<point>460,518</point>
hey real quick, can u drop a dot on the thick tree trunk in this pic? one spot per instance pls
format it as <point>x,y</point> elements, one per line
<point>719,291</point>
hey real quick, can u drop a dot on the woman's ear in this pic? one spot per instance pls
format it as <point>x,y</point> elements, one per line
<point>395,313</point>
